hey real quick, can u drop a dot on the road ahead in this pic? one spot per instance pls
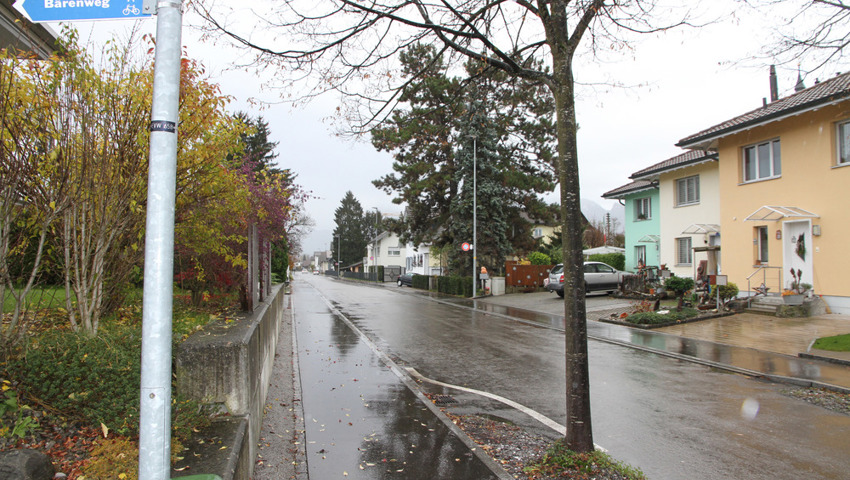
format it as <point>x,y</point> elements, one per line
<point>674,420</point>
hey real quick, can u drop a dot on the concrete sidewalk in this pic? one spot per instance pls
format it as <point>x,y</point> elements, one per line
<point>787,336</point>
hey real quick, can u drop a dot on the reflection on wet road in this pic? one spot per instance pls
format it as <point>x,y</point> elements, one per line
<point>361,421</point>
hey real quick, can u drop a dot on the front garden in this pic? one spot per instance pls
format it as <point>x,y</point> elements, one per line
<point>75,397</point>
<point>677,302</point>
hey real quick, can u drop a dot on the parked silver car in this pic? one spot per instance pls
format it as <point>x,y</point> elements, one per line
<point>598,277</point>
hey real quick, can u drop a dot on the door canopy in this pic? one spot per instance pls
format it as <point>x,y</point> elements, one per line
<point>774,213</point>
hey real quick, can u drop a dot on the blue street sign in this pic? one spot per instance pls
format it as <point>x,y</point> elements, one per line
<point>64,10</point>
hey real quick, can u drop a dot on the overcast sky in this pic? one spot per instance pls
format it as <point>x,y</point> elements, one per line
<point>683,82</point>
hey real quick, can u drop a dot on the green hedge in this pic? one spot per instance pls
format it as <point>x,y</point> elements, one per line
<point>538,258</point>
<point>455,285</point>
<point>420,282</point>
<point>655,318</point>
<point>616,260</point>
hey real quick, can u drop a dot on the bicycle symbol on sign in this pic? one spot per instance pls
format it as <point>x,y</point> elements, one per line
<point>131,9</point>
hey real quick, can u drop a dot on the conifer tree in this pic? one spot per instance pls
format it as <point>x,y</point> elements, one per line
<point>351,246</point>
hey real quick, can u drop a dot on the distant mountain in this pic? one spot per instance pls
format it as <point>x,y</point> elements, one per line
<point>595,212</point>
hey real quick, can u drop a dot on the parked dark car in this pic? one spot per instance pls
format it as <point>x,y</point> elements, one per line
<point>598,277</point>
<point>406,279</point>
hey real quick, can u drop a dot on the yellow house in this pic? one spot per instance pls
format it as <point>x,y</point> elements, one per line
<point>784,181</point>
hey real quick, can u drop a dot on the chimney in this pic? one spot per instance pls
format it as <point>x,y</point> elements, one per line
<point>774,85</point>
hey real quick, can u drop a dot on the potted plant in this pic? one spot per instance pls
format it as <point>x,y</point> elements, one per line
<point>794,295</point>
<point>791,297</point>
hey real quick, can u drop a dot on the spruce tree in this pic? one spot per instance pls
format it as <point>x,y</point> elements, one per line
<point>351,246</point>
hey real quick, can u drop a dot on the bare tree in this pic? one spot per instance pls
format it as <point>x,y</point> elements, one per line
<point>299,225</point>
<point>29,206</point>
<point>813,33</point>
<point>351,46</point>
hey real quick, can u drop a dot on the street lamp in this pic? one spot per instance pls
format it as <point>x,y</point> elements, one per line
<point>375,244</point>
<point>338,254</point>
<point>474,214</point>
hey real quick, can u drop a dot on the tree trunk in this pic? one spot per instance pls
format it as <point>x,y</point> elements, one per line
<point>579,436</point>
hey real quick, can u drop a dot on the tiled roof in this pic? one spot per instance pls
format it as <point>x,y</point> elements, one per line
<point>823,93</point>
<point>633,187</point>
<point>691,157</point>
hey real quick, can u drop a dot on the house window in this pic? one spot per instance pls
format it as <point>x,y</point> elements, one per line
<point>762,161</point>
<point>394,252</point>
<point>844,143</point>
<point>643,209</point>
<point>537,232</point>
<point>640,255</point>
<point>761,243</point>
<point>683,251</point>
<point>687,191</point>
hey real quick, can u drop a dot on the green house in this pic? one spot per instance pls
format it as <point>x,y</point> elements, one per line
<point>642,224</point>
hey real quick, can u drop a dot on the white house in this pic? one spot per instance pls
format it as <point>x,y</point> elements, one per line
<point>689,197</point>
<point>386,250</point>
<point>421,260</point>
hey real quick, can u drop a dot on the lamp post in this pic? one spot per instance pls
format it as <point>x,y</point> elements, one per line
<point>474,214</point>
<point>375,243</point>
<point>338,254</point>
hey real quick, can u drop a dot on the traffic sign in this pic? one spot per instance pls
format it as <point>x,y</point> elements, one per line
<point>466,246</point>
<point>64,10</point>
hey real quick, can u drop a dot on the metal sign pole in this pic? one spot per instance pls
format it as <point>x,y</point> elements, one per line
<point>155,414</point>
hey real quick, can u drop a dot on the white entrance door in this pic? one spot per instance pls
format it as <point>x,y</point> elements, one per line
<point>797,251</point>
<point>714,241</point>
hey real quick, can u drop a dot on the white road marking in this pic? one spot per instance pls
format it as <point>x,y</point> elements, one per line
<point>561,429</point>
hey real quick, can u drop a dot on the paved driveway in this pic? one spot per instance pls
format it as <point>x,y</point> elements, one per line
<point>598,305</point>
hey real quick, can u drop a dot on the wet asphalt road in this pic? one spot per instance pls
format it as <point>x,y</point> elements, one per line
<point>673,419</point>
<point>361,421</point>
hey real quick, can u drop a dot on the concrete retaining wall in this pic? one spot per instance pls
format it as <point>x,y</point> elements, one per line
<point>230,365</point>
